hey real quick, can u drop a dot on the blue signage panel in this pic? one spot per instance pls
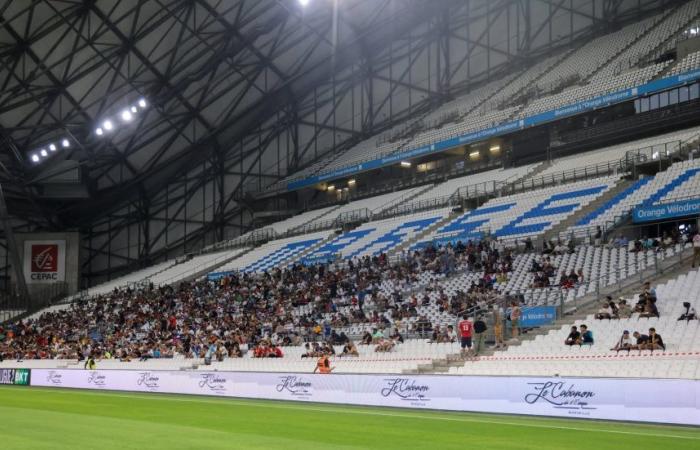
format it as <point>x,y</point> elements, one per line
<point>219,275</point>
<point>536,316</point>
<point>505,128</point>
<point>653,213</point>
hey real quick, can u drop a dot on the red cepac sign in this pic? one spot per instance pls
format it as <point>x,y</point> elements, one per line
<point>44,258</point>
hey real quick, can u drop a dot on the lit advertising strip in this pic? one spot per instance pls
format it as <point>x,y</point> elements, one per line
<point>15,376</point>
<point>505,128</point>
<point>683,208</point>
<point>644,400</point>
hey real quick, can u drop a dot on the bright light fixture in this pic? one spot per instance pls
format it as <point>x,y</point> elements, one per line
<point>99,131</point>
<point>405,164</point>
<point>107,125</point>
<point>330,187</point>
<point>65,143</point>
<point>304,2</point>
<point>351,182</point>
<point>52,147</point>
<point>126,115</point>
<point>134,109</point>
<point>142,103</point>
<point>35,158</point>
<point>44,153</point>
<point>495,148</point>
<point>474,154</point>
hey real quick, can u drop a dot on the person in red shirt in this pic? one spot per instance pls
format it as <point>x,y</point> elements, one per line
<point>466,328</point>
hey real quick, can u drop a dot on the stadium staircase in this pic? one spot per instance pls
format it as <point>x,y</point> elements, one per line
<point>311,249</point>
<point>559,230</point>
<point>668,269</point>
<point>301,227</point>
<point>206,268</point>
<point>544,165</point>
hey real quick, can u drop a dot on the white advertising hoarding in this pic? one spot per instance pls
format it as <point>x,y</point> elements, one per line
<point>664,401</point>
<point>44,261</point>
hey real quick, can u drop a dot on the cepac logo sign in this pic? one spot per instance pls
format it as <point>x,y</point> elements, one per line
<point>45,258</point>
<point>406,389</point>
<point>44,261</point>
<point>561,396</point>
<point>296,386</point>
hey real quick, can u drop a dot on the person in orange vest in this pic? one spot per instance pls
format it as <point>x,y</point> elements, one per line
<point>323,365</point>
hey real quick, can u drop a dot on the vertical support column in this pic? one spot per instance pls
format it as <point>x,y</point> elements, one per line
<point>13,250</point>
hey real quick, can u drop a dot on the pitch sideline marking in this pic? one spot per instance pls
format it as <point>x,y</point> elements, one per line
<point>370,413</point>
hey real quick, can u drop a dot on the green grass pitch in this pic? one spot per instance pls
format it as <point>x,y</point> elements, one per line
<point>36,418</point>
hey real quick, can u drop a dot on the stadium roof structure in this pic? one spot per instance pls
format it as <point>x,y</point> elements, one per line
<point>238,91</point>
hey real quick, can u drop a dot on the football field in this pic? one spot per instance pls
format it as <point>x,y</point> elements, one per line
<point>34,418</point>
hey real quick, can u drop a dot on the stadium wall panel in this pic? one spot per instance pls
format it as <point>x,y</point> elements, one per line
<point>643,400</point>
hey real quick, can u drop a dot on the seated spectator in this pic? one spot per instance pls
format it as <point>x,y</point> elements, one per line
<point>655,342</point>
<point>350,349</point>
<point>586,336</point>
<point>650,310</point>
<point>573,276</point>
<point>574,337</point>
<point>689,313</point>
<point>384,345</point>
<point>623,309</point>
<point>648,295</point>
<point>367,338</point>
<point>641,341</point>
<point>396,336</point>
<point>608,311</point>
<point>624,343</point>
<point>377,335</point>
<point>451,334</point>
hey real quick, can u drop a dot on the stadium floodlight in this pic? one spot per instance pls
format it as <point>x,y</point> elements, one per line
<point>99,131</point>
<point>52,147</point>
<point>134,109</point>
<point>126,115</point>
<point>108,125</point>
<point>304,2</point>
<point>65,143</point>
<point>35,158</point>
<point>142,103</point>
<point>43,152</point>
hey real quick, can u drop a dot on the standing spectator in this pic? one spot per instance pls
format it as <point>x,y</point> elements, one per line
<point>466,329</point>
<point>574,337</point>
<point>497,325</point>
<point>479,329</point>
<point>696,247</point>
<point>515,314</point>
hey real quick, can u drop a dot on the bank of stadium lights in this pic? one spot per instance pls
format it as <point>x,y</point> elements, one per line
<point>304,3</point>
<point>127,115</point>
<point>44,152</point>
